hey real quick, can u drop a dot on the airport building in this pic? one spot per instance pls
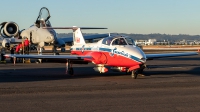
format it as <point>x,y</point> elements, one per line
<point>146,42</point>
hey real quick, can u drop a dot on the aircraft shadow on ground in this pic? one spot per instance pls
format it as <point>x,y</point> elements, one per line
<point>173,71</point>
<point>45,74</point>
<point>171,66</point>
<point>178,58</point>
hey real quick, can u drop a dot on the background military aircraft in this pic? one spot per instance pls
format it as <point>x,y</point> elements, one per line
<point>36,34</point>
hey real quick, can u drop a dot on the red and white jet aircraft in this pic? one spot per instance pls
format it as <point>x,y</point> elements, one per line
<point>119,52</point>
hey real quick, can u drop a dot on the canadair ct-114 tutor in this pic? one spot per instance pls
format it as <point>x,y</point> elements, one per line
<point>119,52</point>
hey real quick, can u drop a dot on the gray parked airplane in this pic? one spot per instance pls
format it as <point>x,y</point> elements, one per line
<point>36,34</point>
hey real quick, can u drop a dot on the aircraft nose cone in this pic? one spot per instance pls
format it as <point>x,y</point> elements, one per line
<point>143,60</point>
<point>140,54</point>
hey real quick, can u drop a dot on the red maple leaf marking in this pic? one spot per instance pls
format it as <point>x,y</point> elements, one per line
<point>78,40</point>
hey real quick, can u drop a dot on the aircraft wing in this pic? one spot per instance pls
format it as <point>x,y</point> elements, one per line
<point>49,56</point>
<point>88,37</point>
<point>153,56</point>
<point>15,40</point>
<point>12,40</point>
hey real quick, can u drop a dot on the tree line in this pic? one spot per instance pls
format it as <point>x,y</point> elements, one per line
<point>157,36</point>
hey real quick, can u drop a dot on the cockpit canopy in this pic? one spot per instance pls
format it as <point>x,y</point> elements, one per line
<point>43,14</point>
<point>43,18</point>
<point>118,41</point>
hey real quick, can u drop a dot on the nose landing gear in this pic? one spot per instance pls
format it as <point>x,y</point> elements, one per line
<point>134,74</point>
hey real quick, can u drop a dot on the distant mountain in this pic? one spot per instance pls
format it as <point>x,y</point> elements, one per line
<point>158,37</point>
<point>71,34</point>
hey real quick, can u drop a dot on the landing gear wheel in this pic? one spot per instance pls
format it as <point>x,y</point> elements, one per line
<point>128,72</point>
<point>140,71</point>
<point>71,71</point>
<point>54,50</point>
<point>134,74</point>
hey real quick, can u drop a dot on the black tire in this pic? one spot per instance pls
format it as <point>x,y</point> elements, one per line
<point>71,71</point>
<point>134,74</point>
<point>140,71</point>
<point>128,72</point>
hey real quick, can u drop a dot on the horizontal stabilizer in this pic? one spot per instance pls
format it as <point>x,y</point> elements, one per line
<point>74,28</point>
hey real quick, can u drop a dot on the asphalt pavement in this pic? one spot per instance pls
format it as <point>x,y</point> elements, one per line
<point>170,84</point>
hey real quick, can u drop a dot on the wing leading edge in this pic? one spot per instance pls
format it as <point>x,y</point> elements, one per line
<point>49,56</point>
<point>148,56</point>
<point>153,56</point>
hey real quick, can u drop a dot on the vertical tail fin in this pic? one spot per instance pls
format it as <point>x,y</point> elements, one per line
<point>78,37</point>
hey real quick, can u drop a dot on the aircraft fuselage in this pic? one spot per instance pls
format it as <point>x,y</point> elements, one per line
<point>37,35</point>
<point>111,55</point>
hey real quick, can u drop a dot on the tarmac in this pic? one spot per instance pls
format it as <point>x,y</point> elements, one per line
<point>170,84</point>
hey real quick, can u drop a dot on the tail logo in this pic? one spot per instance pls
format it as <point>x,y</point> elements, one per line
<point>77,40</point>
<point>113,51</point>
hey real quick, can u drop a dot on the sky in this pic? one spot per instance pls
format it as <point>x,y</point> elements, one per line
<point>119,16</point>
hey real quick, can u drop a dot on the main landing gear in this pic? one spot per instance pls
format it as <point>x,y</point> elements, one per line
<point>54,50</point>
<point>39,49</point>
<point>134,74</point>
<point>69,69</point>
